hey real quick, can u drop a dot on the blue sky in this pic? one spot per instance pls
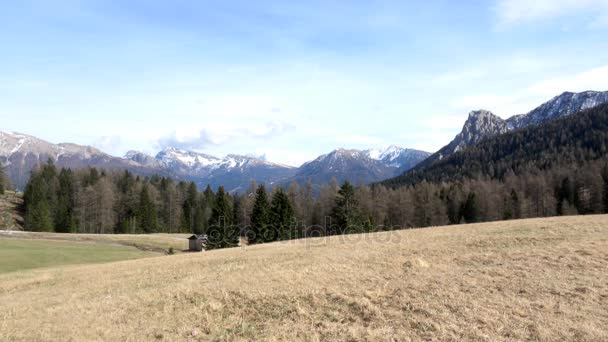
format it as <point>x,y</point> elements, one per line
<point>287,79</point>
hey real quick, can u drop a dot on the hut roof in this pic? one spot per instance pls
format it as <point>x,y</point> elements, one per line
<point>198,237</point>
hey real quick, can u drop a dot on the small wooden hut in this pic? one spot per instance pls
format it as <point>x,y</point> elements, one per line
<point>197,243</point>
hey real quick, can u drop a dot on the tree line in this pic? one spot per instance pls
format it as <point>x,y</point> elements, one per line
<point>94,201</point>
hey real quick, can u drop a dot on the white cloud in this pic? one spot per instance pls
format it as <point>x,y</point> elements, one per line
<point>219,133</point>
<point>500,105</point>
<point>594,79</point>
<point>359,140</point>
<point>108,144</point>
<point>531,96</point>
<point>518,11</point>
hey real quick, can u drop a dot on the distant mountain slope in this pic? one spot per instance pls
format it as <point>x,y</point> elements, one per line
<point>353,165</point>
<point>569,140</point>
<point>397,157</point>
<point>482,124</point>
<point>20,153</point>
<point>359,167</point>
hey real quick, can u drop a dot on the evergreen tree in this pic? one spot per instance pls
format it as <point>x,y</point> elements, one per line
<point>65,222</point>
<point>345,215</point>
<point>147,215</point>
<point>209,196</point>
<point>221,232</point>
<point>282,216</point>
<point>38,217</point>
<point>262,231</point>
<point>470,210</point>
<point>453,209</point>
<point>39,198</point>
<point>199,224</point>
<point>190,207</point>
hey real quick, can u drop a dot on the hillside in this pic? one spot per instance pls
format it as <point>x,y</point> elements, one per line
<point>542,279</point>
<point>570,141</point>
<point>11,215</point>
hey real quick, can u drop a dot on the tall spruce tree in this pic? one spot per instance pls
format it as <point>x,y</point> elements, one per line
<point>147,214</point>
<point>282,216</point>
<point>262,231</point>
<point>221,232</point>
<point>65,222</point>
<point>345,217</point>
<point>190,207</point>
<point>470,210</point>
<point>199,224</point>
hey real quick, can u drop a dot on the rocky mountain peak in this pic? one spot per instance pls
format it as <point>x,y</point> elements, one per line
<point>481,124</point>
<point>141,158</point>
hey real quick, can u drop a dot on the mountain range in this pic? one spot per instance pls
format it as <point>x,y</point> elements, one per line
<point>20,153</point>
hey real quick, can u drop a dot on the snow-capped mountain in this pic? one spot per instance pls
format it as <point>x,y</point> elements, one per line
<point>398,157</point>
<point>360,167</point>
<point>142,159</point>
<point>341,164</point>
<point>563,105</point>
<point>234,172</point>
<point>482,124</point>
<point>188,162</point>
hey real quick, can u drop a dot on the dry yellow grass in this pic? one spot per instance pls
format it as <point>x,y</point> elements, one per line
<point>544,279</point>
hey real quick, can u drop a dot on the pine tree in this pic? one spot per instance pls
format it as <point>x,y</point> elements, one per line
<point>147,215</point>
<point>470,210</point>
<point>221,231</point>
<point>345,215</point>
<point>209,196</point>
<point>37,197</point>
<point>453,209</point>
<point>199,224</point>
<point>65,221</point>
<point>262,231</point>
<point>190,207</point>
<point>282,216</point>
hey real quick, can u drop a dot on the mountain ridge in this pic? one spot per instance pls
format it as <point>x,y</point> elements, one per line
<point>483,124</point>
<point>21,152</point>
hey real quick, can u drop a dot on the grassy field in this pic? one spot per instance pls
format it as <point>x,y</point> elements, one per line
<point>540,280</point>
<point>18,254</point>
<point>148,242</point>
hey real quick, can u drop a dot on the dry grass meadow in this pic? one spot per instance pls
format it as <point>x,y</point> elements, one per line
<point>539,280</point>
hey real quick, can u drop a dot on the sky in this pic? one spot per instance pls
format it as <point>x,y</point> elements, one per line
<point>288,80</point>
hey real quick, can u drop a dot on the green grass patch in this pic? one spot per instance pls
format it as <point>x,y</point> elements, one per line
<point>18,254</point>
